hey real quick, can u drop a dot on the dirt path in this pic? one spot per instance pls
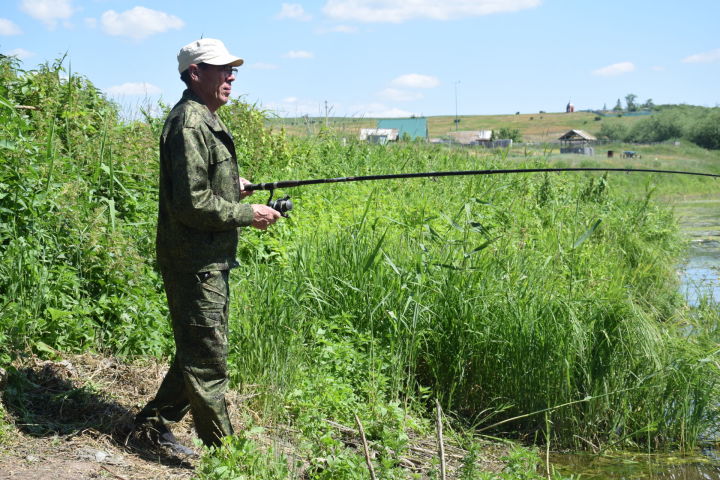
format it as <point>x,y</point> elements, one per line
<point>70,419</point>
<point>81,458</point>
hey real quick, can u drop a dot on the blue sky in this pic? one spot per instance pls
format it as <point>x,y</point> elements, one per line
<point>370,58</point>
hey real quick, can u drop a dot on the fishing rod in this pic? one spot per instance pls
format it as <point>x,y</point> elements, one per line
<point>284,205</point>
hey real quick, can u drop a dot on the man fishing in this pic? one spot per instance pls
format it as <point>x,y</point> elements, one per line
<point>197,234</point>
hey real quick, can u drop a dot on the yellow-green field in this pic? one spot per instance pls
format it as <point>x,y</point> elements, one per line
<point>534,127</point>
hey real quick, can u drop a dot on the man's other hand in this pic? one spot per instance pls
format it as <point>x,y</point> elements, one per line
<point>244,193</point>
<point>263,216</point>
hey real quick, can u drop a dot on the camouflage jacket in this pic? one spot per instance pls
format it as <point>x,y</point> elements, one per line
<point>199,204</point>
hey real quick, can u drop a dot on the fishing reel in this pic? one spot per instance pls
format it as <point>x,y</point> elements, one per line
<point>282,205</point>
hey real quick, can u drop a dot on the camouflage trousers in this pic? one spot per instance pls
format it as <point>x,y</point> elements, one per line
<point>197,379</point>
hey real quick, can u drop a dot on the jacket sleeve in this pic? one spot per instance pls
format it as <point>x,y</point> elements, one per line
<point>194,202</point>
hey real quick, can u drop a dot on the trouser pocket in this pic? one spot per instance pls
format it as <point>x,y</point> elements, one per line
<point>199,307</point>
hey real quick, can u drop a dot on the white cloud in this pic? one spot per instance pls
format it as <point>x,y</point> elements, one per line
<point>378,110</point>
<point>416,80</point>
<point>397,11</point>
<point>139,22</point>
<point>20,53</point>
<point>299,54</point>
<point>293,107</point>
<point>8,28</point>
<point>48,11</point>
<point>338,29</point>
<point>134,89</point>
<point>615,69</point>
<point>263,66</point>
<point>705,57</point>
<point>293,11</point>
<point>396,95</point>
<point>343,29</point>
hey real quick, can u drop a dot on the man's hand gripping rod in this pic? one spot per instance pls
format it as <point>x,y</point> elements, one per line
<point>284,205</point>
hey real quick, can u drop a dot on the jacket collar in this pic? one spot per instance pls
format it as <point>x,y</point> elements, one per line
<point>211,119</point>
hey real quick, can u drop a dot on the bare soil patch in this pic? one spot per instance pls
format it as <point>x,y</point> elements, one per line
<point>72,420</point>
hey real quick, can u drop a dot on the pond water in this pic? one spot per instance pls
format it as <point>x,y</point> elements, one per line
<point>699,219</point>
<point>636,466</point>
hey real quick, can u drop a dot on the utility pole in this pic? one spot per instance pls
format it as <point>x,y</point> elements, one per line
<point>328,110</point>
<point>457,120</point>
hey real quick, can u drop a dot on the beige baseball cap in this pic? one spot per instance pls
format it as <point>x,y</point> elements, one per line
<point>206,50</point>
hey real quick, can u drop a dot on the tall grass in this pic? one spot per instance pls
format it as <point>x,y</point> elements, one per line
<point>70,280</point>
<point>501,296</point>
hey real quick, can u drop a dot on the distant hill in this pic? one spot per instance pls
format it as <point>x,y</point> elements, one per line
<point>534,127</point>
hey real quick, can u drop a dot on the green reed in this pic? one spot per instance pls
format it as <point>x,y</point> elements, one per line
<point>500,296</point>
<point>543,304</point>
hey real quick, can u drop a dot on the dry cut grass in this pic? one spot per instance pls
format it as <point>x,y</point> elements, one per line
<point>71,419</point>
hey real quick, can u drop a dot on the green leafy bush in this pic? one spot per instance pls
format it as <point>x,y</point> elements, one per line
<point>242,458</point>
<point>705,130</point>
<point>502,296</point>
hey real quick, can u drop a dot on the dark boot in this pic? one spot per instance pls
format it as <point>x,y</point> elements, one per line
<point>167,439</point>
<point>159,435</point>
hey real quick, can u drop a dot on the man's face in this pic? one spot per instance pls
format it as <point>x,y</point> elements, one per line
<point>214,84</point>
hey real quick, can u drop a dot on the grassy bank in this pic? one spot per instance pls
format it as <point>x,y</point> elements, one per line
<point>533,307</point>
<point>511,294</point>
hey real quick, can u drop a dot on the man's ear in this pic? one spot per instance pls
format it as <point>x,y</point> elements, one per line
<point>194,72</point>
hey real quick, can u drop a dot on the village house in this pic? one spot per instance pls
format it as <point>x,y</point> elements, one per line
<point>471,137</point>
<point>379,135</point>
<point>577,141</point>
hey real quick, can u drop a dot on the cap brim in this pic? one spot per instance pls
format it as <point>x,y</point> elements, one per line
<point>225,60</point>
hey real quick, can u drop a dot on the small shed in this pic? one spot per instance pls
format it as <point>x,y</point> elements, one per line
<point>471,137</point>
<point>577,141</point>
<point>379,135</point>
<point>412,128</point>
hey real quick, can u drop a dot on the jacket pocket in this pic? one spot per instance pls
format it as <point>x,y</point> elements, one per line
<point>219,153</point>
<point>223,173</point>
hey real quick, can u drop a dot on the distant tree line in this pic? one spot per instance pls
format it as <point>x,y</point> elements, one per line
<point>632,104</point>
<point>700,125</point>
<point>506,133</point>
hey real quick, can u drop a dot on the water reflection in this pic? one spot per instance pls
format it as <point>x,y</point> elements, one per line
<point>699,219</point>
<point>636,467</point>
<point>699,274</point>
